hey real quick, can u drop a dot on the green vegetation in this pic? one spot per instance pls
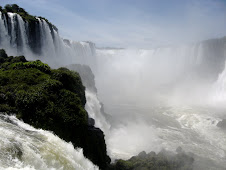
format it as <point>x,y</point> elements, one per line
<point>14,8</point>
<point>51,99</point>
<point>38,93</point>
<point>3,54</point>
<point>152,161</point>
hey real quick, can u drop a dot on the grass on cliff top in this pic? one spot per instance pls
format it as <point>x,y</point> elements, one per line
<point>41,96</point>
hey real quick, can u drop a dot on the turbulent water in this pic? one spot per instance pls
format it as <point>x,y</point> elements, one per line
<point>158,99</point>
<point>24,147</point>
<point>155,99</point>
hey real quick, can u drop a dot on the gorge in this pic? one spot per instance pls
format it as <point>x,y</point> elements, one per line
<point>158,99</point>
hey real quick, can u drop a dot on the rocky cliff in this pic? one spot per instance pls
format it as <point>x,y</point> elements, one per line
<point>51,99</point>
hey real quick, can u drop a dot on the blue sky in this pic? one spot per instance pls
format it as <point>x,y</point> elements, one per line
<point>132,23</point>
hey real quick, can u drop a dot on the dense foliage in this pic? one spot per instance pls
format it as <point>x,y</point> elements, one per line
<point>51,99</point>
<point>14,8</point>
<point>27,85</point>
<point>162,161</point>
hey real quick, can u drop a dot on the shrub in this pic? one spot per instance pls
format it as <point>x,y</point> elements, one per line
<point>3,54</point>
<point>8,8</point>
<point>15,7</point>
<point>32,64</point>
<point>71,81</point>
<point>18,59</point>
<point>41,96</point>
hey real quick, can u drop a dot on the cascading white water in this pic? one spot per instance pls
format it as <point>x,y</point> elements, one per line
<point>93,107</point>
<point>4,32</point>
<point>54,50</point>
<point>219,88</point>
<point>6,40</point>
<point>47,41</point>
<point>13,30</point>
<point>27,148</point>
<point>22,27</point>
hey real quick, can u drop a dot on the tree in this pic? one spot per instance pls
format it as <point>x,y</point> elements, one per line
<point>3,53</point>
<point>15,7</point>
<point>8,8</point>
<point>21,10</point>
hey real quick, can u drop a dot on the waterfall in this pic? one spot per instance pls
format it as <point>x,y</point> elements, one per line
<point>13,29</point>
<point>41,41</point>
<point>24,147</point>
<point>185,72</point>
<point>93,107</point>
<point>24,38</point>
<point>4,38</point>
<point>146,91</point>
<point>133,83</point>
<point>47,41</point>
<point>219,87</point>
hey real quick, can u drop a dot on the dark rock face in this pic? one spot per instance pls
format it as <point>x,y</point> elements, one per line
<point>92,134</point>
<point>86,74</point>
<point>92,141</point>
<point>222,124</point>
<point>96,151</point>
<point>91,122</point>
<point>52,100</point>
<point>163,160</point>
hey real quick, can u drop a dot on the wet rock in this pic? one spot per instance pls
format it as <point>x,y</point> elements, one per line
<point>91,122</point>
<point>222,124</point>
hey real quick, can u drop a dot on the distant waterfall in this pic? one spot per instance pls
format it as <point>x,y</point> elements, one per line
<point>24,147</point>
<point>42,41</point>
<point>185,73</point>
<point>219,88</point>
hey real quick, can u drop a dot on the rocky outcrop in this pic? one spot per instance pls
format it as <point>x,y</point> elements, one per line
<point>152,161</point>
<point>51,99</point>
<point>86,74</point>
<point>222,124</point>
